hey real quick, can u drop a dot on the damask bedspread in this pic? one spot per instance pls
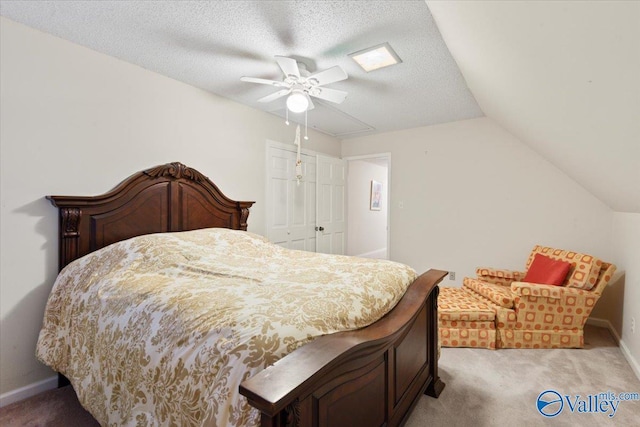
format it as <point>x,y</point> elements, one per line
<point>162,329</point>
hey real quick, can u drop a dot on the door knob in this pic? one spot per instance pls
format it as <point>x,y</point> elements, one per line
<point>319,228</point>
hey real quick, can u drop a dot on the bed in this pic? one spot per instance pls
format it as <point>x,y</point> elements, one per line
<point>369,376</point>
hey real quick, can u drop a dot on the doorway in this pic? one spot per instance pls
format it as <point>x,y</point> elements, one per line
<point>368,185</point>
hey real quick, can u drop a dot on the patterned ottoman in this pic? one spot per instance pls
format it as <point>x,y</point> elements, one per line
<point>464,320</point>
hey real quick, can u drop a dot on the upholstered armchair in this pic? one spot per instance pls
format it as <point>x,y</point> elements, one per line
<point>529,314</point>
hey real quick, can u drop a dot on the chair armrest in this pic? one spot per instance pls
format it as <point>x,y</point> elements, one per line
<point>499,276</point>
<point>525,289</point>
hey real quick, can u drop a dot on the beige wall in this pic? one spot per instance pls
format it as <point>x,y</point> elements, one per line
<point>473,194</point>
<point>77,122</point>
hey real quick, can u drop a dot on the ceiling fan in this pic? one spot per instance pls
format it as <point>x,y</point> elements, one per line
<point>301,86</point>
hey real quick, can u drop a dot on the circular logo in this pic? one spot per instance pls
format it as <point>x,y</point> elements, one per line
<point>549,403</point>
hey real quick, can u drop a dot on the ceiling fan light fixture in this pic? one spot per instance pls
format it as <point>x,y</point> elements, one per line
<point>376,57</point>
<point>297,102</point>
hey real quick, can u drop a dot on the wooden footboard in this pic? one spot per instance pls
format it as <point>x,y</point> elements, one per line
<point>370,377</point>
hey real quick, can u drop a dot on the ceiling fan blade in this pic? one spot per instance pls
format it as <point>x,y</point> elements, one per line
<point>289,66</point>
<point>262,81</point>
<point>332,95</point>
<point>275,95</point>
<point>330,75</point>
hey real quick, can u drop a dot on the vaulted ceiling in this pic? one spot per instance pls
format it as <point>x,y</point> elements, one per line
<point>561,76</point>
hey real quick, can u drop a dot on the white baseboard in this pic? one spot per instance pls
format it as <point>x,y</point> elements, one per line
<point>377,254</point>
<point>632,361</point>
<point>27,391</point>
<point>603,323</point>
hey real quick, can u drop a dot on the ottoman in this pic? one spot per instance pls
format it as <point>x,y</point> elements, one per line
<point>464,320</point>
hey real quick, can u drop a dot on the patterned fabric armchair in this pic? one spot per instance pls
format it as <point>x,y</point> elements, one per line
<point>526,315</point>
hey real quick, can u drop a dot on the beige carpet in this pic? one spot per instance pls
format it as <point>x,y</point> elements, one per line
<point>484,388</point>
<point>501,387</point>
<point>53,408</point>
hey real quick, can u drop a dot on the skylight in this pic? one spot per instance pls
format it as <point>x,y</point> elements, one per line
<point>376,57</point>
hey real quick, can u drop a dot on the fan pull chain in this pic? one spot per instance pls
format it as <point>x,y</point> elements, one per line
<point>298,160</point>
<point>306,138</point>
<point>287,116</point>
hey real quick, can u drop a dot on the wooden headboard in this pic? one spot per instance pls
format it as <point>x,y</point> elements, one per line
<point>165,198</point>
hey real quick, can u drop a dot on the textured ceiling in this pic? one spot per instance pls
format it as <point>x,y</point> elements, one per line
<point>211,44</point>
<point>562,76</point>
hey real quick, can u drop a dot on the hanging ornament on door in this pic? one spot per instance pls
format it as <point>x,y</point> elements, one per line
<point>298,161</point>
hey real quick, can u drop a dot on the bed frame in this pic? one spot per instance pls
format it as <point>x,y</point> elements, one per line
<point>370,377</point>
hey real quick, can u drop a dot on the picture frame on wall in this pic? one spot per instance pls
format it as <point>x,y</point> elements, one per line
<point>376,195</point>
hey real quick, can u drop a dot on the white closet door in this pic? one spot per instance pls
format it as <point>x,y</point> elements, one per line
<point>291,206</point>
<point>331,205</point>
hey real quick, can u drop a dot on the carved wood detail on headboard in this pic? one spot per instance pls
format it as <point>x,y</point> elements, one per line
<point>176,170</point>
<point>165,198</point>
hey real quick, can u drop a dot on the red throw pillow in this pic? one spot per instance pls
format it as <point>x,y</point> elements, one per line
<point>547,271</point>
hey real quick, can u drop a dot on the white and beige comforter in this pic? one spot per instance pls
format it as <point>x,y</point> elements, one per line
<point>162,329</point>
